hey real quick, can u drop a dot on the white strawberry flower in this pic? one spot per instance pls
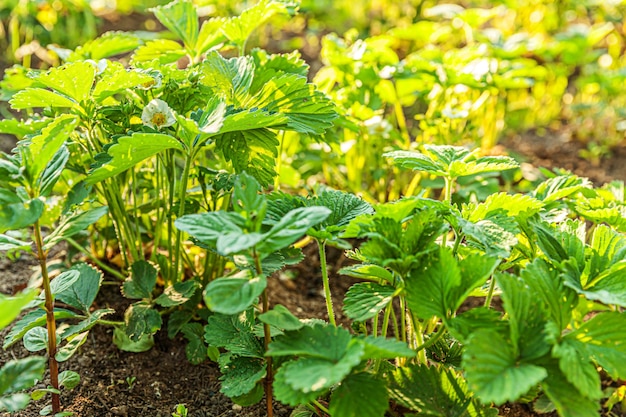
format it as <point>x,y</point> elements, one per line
<point>157,114</point>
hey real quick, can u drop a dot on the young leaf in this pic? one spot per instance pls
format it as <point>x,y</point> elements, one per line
<point>494,373</point>
<point>141,282</point>
<point>41,148</point>
<point>166,51</point>
<point>92,319</point>
<point>557,188</point>
<point>232,295</point>
<point>115,79</point>
<point>62,282</point>
<point>344,208</point>
<point>317,341</point>
<point>107,45</point>
<point>70,348</point>
<point>131,150</point>
<point>281,318</point>
<point>123,342</point>
<point>69,379</point>
<point>370,272</point>
<point>73,224</point>
<point>240,374</point>
<point>53,171</point>
<point>181,18</point>
<point>365,300</point>
<point>20,374</point>
<point>238,29</point>
<point>512,205</point>
<point>291,227</point>
<point>36,339</point>
<point>360,395</point>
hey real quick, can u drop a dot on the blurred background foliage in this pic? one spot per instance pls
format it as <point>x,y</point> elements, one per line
<point>402,72</point>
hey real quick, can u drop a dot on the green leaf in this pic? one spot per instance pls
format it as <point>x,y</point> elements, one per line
<point>568,400</point>
<point>360,395</point>
<point>416,161</point>
<point>53,171</point>
<point>384,348</point>
<point>607,248</point>
<point>228,78</point>
<point>344,208</point>
<point>311,374</point>
<point>608,287</point>
<point>232,295</point>
<point>512,205</point>
<point>178,293</point>
<point>489,237</point>
<point>196,350</point>
<point>365,300</point>
<point>42,148</point>
<point>318,341</point>
<point>466,323</point>
<point>308,110</point>
<point>69,379</point>
<point>286,394</point>
<point>14,402</point>
<point>253,151</point>
<point>9,243</point>
<point>20,374</point>
<point>281,318</point>
<point>428,289</point>
<point>16,214</point>
<point>123,342</point>
<point>83,291</point>
<point>62,282</point>
<point>546,284</point>
<point>370,272</point>
<point>481,165</point>
<point>494,372</point>
<point>166,51</point>
<point>208,227</point>
<point>141,282</point>
<point>70,348</point>
<point>475,271</point>
<point>233,333</point>
<point>240,375</point>
<point>141,321</point>
<point>291,228</point>
<point>181,18</point>
<point>36,339</point>
<point>131,150</point>
<point>92,319</point>
<point>116,79</point>
<point>10,307</point>
<point>107,45</point>
<point>557,188</point>
<point>232,243</point>
<point>39,97</point>
<point>238,29</point>
<point>429,390</point>
<point>33,319</point>
<point>603,337</point>
<point>577,367</point>
<point>73,224</point>
<point>73,80</point>
<point>210,35</point>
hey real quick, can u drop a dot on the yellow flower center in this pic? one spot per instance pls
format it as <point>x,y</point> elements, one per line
<point>149,84</point>
<point>158,119</point>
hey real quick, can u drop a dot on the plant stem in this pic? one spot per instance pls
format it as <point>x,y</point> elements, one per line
<point>326,282</point>
<point>447,197</point>
<point>492,286</point>
<point>321,407</point>
<point>432,340</point>
<point>50,321</point>
<point>267,336</point>
<point>182,193</point>
<point>95,260</point>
